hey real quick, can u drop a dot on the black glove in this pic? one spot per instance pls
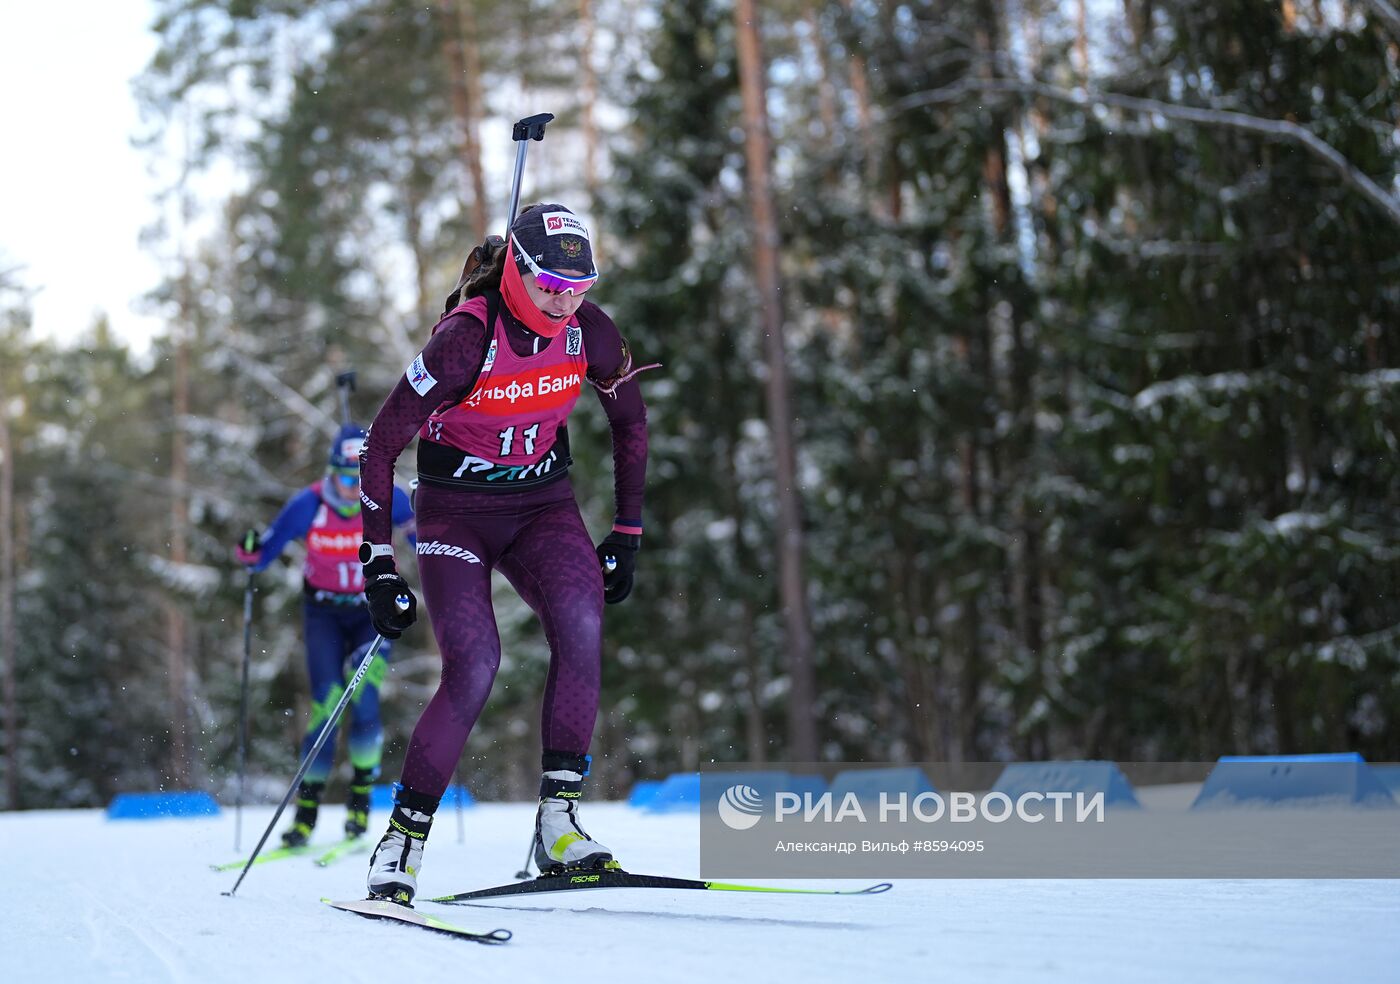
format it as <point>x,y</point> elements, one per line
<point>383,588</point>
<point>617,555</point>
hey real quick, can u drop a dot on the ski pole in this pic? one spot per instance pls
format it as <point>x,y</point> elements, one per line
<point>524,872</point>
<point>250,545</point>
<point>345,383</point>
<point>350,688</point>
<point>530,128</point>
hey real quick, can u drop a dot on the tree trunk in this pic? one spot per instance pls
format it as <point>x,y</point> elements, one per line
<point>422,256</point>
<point>8,649</point>
<point>1025,575</point>
<point>802,732</point>
<point>1081,38</point>
<point>463,56</point>
<point>826,93</point>
<point>962,747</point>
<point>913,653</point>
<point>588,96</point>
<point>860,88</point>
<point>755,734</point>
<point>176,630</point>
<point>1026,588</point>
<point>1139,16</point>
<point>688,723</point>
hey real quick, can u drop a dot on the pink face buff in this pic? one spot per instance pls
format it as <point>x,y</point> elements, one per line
<point>521,304</point>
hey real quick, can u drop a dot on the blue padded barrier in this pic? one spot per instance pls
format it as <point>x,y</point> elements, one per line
<point>1389,775</point>
<point>868,784</point>
<point>804,783</point>
<point>643,792</point>
<point>766,782</point>
<point>1342,779</point>
<point>162,805</point>
<point>1087,777</point>
<point>686,790</point>
<point>382,797</point>
<point>679,792</point>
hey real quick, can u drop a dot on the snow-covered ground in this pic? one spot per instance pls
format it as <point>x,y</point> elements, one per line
<point>98,900</point>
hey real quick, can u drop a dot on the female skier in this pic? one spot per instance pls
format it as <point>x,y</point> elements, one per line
<point>488,397</point>
<point>338,627</point>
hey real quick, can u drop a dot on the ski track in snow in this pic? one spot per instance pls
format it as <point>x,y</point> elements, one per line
<point>693,916</point>
<point>136,901</point>
<point>156,943</point>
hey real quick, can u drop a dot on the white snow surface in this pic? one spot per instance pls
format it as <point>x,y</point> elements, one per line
<point>99,900</point>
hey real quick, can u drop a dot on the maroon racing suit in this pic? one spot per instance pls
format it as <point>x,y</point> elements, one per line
<point>507,506</point>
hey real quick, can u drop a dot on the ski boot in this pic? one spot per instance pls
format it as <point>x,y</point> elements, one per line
<point>394,866</point>
<point>357,804</point>
<point>308,801</point>
<point>561,843</point>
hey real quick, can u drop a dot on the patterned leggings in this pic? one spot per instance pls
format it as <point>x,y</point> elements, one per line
<point>536,538</point>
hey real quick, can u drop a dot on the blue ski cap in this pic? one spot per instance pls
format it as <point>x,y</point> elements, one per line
<point>345,452</point>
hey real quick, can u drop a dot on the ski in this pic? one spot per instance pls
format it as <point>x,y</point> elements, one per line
<point>347,847</point>
<point>332,854</point>
<point>278,854</point>
<point>398,912</point>
<point>574,881</point>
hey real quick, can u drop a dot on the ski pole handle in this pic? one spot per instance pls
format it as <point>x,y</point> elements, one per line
<point>531,127</point>
<point>345,383</point>
<point>251,541</point>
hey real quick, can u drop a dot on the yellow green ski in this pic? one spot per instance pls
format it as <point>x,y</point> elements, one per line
<point>579,880</point>
<point>328,856</point>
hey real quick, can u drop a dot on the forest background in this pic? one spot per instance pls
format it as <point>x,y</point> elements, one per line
<point>1031,378</point>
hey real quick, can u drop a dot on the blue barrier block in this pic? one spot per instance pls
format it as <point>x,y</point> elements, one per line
<point>767,783</point>
<point>454,793</point>
<point>679,792</point>
<point>805,783</point>
<point>382,797</point>
<point>1342,779</point>
<point>643,792</point>
<point>686,790</point>
<point>868,784</point>
<point>1389,775</point>
<point>161,805</point>
<point>1068,777</point>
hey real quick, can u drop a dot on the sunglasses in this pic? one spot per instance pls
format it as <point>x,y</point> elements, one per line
<point>551,282</point>
<point>347,478</point>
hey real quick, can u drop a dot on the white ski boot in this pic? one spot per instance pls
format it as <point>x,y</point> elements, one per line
<point>561,843</point>
<point>394,866</point>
